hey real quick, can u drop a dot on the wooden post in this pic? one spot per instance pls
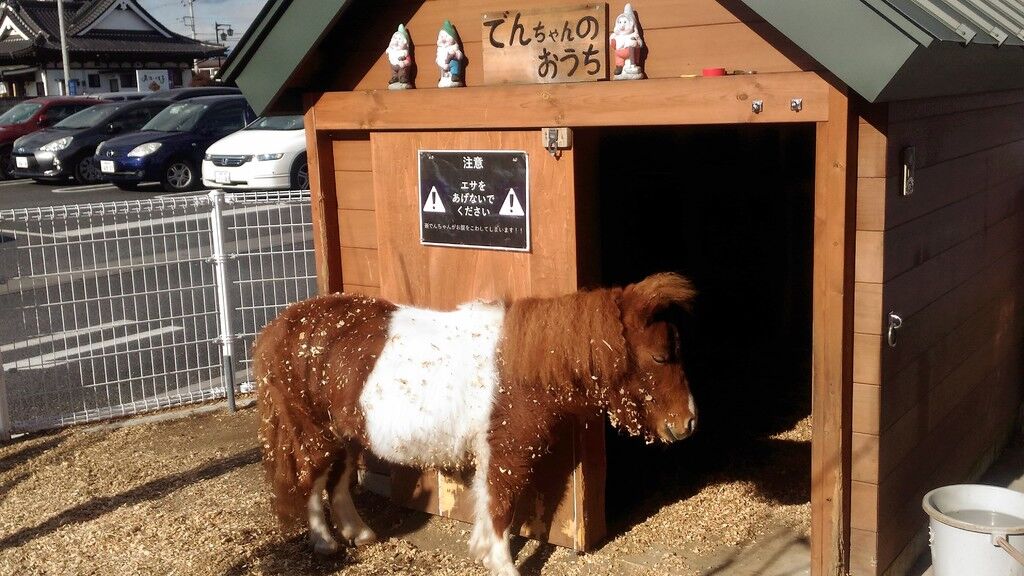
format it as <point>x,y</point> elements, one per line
<point>324,200</point>
<point>832,358</point>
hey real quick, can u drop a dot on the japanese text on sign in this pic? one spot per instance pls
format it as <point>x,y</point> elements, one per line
<point>476,199</point>
<point>546,45</point>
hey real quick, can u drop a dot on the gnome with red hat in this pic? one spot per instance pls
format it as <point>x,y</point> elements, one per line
<point>625,43</point>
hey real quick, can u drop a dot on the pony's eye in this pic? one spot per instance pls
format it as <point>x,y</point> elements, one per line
<point>659,359</point>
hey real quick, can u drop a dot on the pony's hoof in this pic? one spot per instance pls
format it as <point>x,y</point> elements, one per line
<point>324,547</point>
<point>479,546</point>
<point>365,537</point>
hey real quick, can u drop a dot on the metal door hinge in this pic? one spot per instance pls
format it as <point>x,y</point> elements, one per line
<point>909,159</point>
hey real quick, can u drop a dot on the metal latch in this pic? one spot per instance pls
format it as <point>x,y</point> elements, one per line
<point>556,139</point>
<point>895,323</point>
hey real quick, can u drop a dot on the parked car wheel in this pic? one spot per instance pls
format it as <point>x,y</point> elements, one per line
<point>87,170</point>
<point>127,186</point>
<point>300,173</point>
<point>180,176</point>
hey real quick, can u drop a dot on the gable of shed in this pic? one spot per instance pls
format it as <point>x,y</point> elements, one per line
<point>346,47</point>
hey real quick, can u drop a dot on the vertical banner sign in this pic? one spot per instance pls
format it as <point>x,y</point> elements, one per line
<point>539,46</point>
<point>475,199</point>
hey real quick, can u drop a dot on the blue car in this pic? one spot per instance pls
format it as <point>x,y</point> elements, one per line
<point>170,148</point>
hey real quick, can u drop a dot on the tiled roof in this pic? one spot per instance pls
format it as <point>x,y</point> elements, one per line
<point>42,26</point>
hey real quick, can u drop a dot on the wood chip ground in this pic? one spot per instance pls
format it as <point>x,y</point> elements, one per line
<point>187,497</point>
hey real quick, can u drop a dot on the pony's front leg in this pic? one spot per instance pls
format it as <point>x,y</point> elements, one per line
<point>494,495</point>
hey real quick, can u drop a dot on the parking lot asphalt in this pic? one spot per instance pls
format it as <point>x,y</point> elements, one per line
<point>25,193</point>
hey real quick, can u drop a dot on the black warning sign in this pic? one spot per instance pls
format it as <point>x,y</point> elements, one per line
<point>475,199</point>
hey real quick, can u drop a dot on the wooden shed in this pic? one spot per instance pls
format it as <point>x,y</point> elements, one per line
<point>865,162</point>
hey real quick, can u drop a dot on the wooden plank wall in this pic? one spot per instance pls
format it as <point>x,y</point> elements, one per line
<point>681,38</point>
<point>952,265</point>
<point>357,218</point>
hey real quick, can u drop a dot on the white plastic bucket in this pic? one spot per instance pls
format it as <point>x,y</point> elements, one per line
<point>976,530</point>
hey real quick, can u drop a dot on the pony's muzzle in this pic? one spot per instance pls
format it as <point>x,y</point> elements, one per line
<point>686,430</point>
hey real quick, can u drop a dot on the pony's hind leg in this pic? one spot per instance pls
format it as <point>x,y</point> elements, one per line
<point>319,529</point>
<point>486,544</point>
<point>349,523</point>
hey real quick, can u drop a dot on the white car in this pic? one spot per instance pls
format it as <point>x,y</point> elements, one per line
<point>269,154</point>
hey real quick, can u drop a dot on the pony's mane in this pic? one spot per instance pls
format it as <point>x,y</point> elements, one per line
<point>656,293</point>
<point>565,346</point>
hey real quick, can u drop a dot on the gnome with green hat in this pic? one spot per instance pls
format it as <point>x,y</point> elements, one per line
<point>400,57</point>
<point>449,56</point>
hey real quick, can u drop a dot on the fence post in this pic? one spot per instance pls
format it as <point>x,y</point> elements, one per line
<point>224,307</point>
<point>5,415</point>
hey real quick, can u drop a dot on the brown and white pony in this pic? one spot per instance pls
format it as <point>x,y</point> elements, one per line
<point>484,384</point>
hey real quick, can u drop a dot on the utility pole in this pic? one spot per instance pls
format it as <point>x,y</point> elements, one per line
<point>64,48</point>
<point>192,16</point>
<point>191,23</point>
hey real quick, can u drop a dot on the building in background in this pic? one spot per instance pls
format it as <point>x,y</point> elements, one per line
<point>113,45</point>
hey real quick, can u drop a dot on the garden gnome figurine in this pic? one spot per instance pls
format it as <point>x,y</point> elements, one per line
<point>400,57</point>
<point>449,56</point>
<point>625,43</point>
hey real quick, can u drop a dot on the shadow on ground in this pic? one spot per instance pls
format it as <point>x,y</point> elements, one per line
<point>149,491</point>
<point>30,451</point>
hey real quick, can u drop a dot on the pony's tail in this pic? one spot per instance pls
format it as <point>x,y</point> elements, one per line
<point>287,441</point>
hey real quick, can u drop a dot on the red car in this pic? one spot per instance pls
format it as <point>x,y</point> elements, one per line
<point>31,115</point>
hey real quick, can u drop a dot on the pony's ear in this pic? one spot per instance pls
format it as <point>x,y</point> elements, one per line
<point>656,294</point>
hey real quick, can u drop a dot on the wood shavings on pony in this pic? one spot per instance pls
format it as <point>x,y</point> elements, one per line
<point>480,386</point>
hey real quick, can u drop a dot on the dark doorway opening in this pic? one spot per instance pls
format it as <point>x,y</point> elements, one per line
<point>730,207</point>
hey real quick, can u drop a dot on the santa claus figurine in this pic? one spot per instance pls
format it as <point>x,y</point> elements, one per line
<point>625,43</point>
<point>400,58</point>
<point>449,56</point>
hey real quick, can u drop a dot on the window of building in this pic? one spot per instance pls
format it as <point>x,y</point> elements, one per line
<point>175,78</point>
<point>128,80</point>
<point>94,80</point>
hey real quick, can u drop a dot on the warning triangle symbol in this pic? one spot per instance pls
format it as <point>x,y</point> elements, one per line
<point>511,205</point>
<point>433,203</point>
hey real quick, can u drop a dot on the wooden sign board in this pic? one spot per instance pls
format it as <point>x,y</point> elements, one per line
<point>540,46</point>
<point>475,199</point>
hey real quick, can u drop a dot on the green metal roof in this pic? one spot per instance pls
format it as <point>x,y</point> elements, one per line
<point>882,49</point>
<point>275,48</point>
<point>905,49</point>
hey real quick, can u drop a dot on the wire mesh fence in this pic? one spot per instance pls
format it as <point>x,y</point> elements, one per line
<point>273,262</point>
<point>113,309</point>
